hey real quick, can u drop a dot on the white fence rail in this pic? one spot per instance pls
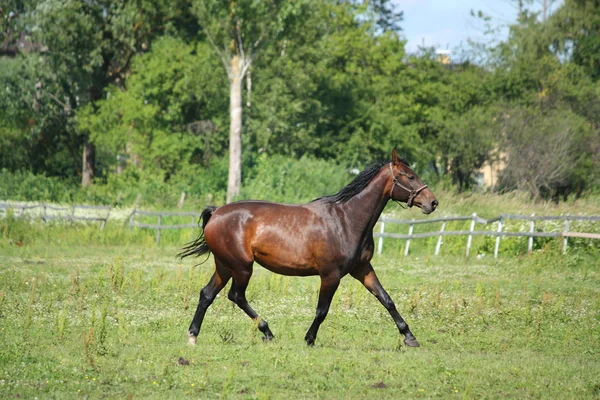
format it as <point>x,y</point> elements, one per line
<point>498,233</point>
<point>71,213</point>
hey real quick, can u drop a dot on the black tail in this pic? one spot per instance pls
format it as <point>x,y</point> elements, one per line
<point>199,246</point>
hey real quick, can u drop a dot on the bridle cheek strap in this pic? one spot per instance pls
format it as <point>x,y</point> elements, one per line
<point>412,193</point>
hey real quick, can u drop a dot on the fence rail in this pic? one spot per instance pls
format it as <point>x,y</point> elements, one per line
<point>70,214</point>
<point>499,233</point>
<point>159,226</point>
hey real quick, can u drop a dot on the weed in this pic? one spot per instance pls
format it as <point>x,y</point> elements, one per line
<point>61,323</point>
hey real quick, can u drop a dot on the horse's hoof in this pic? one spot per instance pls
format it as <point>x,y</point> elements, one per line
<point>267,338</point>
<point>411,342</point>
<point>191,339</point>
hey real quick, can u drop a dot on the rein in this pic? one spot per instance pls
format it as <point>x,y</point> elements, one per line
<point>412,193</point>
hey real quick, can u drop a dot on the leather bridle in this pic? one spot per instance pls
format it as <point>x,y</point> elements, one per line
<point>412,193</point>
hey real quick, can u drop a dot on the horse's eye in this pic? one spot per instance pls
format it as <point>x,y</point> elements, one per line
<point>411,177</point>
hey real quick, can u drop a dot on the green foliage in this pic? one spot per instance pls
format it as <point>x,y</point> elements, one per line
<point>546,151</point>
<point>468,141</point>
<point>30,187</point>
<point>576,35</point>
<point>285,179</point>
<point>143,80</point>
<point>156,123</point>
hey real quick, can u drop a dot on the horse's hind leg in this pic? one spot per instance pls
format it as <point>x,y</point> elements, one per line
<point>207,295</point>
<point>237,294</point>
<point>368,278</point>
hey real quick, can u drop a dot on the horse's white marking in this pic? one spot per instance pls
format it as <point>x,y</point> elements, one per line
<point>191,339</point>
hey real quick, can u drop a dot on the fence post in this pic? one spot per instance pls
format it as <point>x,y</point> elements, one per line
<point>566,239</point>
<point>181,200</point>
<point>380,241</point>
<point>500,224</point>
<point>439,241</point>
<point>72,213</point>
<point>158,229</point>
<point>105,220</point>
<point>530,240</point>
<point>410,232</point>
<point>470,237</point>
<point>131,219</point>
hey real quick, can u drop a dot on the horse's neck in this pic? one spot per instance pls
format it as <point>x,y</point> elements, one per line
<point>365,208</point>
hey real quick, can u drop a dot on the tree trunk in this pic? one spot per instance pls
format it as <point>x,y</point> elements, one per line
<point>89,160</point>
<point>235,130</point>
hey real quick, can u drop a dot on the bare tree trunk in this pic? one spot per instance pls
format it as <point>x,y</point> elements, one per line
<point>235,130</point>
<point>544,10</point>
<point>248,89</point>
<point>89,160</point>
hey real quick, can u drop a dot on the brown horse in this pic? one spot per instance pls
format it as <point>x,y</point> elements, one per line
<point>331,236</point>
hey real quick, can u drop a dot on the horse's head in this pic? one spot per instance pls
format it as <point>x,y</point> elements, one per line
<point>405,186</point>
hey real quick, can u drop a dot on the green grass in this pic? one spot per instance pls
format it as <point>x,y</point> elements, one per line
<point>110,321</point>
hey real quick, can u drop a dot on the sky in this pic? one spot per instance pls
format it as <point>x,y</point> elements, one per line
<point>446,24</point>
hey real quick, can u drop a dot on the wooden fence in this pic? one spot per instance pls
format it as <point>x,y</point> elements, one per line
<point>48,212</point>
<point>499,232</point>
<point>159,226</point>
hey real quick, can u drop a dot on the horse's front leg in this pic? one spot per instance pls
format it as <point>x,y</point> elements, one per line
<point>368,278</point>
<point>329,285</point>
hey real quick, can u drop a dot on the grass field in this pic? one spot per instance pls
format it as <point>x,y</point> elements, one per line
<point>110,321</point>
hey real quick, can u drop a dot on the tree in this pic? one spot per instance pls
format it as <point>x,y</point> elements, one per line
<point>337,88</point>
<point>164,118</point>
<point>236,30</point>
<point>542,150</point>
<point>543,80</point>
<point>466,142</point>
<point>576,34</point>
<point>81,48</point>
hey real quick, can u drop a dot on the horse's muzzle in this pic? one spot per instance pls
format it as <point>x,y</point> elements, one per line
<point>429,207</point>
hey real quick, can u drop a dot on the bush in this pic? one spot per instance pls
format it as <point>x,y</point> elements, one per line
<point>274,178</point>
<point>27,186</point>
<point>287,180</point>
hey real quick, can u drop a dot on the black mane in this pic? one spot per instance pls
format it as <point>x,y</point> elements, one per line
<point>355,187</point>
<point>358,184</point>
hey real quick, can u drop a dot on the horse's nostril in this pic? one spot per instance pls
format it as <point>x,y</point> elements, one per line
<point>434,204</point>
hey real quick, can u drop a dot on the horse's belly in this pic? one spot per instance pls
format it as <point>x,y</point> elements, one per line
<point>285,264</point>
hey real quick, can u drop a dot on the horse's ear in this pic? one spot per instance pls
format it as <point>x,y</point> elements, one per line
<point>394,156</point>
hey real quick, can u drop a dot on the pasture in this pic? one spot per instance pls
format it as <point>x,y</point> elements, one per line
<point>109,320</point>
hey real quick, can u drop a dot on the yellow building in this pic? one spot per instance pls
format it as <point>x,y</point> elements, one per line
<point>443,56</point>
